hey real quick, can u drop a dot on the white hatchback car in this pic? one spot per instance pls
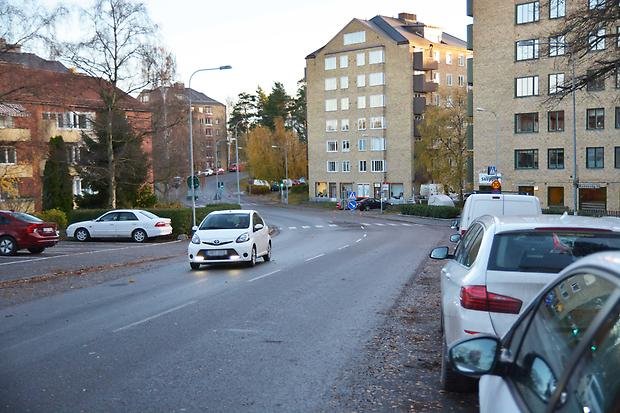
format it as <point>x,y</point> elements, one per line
<point>230,236</point>
<point>500,265</point>
<point>136,224</point>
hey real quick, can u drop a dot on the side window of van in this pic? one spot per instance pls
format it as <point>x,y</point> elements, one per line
<point>464,249</point>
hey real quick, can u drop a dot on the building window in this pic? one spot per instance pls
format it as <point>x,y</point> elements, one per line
<point>556,83</point>
<point>557,46</point>
<point>6,121</point>
<point>595,157</point>
<point>330,63</point>
<point>362,166</point>
<point>377,144</point>
<point>361,124</point>
<point>449,79</point>
<point>595,118</point>
<point>461,80</point>
<point>375,56</point>
<point>376,79</point>
<point>617,157</point>
<point>555,121</point>
<point>448,58</point>
<point>617,117</point>
<point>361,145</point>
<point>377,122</point>
<point>526,122</point>
<point>437,77</point>
<point>344,125</point>
<point>361,80</point>
<point>526,159</point>
<point>528,12</point>
<point>209,121</point>
<point>354,38</point>
<point>555,158</point>
<point>361,102</point>
<point>209,131</point>
<point>344,103</point>
<point>331,105</point>
<point>344,82</point>
<point>376,101</point>
<point>332,166</point>
<point>8,155</point>
<point>557,8</point>
<point>596,4</point>
<point>526,86</point>
<point>330,83</point>
<point>595,83</point>
<point>617,76</point>
<point>344,61</point>
<point>527,49</point>
<point>596,40</point>
<point>332,146</point>
<point>331,125</point>
<point>346,146</point>
<point>346,166</point>
<point>73,153</point>
<point>461,60</point>
<point>437,56</point>
<point>360,59</point>
<point>555,196</point>
<point>377,166</point>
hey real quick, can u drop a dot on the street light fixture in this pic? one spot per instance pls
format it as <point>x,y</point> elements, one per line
<point>285,170</point>
<point>191,136</point>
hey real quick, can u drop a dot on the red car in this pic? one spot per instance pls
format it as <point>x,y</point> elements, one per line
<point>19,230</point>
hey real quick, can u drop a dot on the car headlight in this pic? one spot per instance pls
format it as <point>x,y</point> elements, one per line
<point>243,237</point>
<point>195,239</point>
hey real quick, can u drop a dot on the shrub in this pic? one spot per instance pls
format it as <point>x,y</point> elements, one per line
<point>145,198</point>
<point>299,189</point>
<point>54,215</point>
<point>258,189</point>
<point>430,211</point>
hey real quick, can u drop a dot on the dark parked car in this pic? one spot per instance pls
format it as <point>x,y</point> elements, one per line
<point>371,203</point>
<point>343,203</point>
<point>19,230</point>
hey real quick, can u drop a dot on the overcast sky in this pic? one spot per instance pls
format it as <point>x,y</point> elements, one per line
<point>267,40</point>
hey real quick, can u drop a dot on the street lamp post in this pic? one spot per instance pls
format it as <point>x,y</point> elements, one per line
<point>217,180</point>
<point>191,136</point>
<point>285,171</point>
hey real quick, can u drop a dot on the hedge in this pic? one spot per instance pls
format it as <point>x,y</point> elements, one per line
<point>299,189</point>
<point>258,189</point>
<point>423,210</point>
<point>181,217</point>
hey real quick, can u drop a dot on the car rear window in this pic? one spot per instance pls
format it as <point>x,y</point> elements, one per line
<point>547,251</point>
<point>26,217</point>
<point>226,221</point>
<point>149,215</point>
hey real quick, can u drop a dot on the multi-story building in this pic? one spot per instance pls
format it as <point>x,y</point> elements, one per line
<point>171,138</point>
<point>367,89</point>
<point>520,126</point>
<point>40,99</point>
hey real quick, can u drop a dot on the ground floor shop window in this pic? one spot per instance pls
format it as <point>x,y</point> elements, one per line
<point>333,190</point>
<point>555,196</point>
<point>397,190</point>
<point>526,189</point>
<point>593,198</point>
<point>321,189</point>
<point>363,189</point>
<point>345,190</point>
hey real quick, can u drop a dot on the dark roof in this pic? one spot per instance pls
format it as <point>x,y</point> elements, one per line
<point>199,97</point>
<point>32,61</point>
<point>389,29</point>
<point>452,40</point>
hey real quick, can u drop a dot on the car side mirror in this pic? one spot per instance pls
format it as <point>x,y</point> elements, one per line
<point>455,224</point>
<point>455,238</point>
<point>194,229</point>
<point>476,356</point>
<point>440,253</point>
<point>258,227</point>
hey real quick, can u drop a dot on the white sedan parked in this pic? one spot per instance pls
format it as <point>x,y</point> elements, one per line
<point>136,224</point>
<point>230,236</point>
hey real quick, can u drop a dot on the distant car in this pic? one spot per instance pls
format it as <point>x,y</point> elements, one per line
<point>229,237</point>
<point>260,182</point>
<point>366,204</point>
<point>343,203</point>
<point>562,354</point>
<point>232,167</point>
<point>501,264</point>
<point>220,171</point>
<point>19,230</point>
<point>208,172</point>
<point>440,200</point>
<point>136,224</point>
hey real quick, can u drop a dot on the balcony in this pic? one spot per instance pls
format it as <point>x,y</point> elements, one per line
<point>14,135</point>
<point>470,103</point>
<point>422,63</point>
<point>420,85</point>
<point>469,134</point>
<point>470,37</point>
<point>419,105</point>
<point>470,8</point>
<point>470,71</point>
<point>416,130</point>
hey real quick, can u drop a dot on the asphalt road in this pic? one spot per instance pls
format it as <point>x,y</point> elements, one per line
<point>164,338</point>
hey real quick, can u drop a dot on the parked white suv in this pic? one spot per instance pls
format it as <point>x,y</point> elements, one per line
<point>229,236</point>
<point>501,264</point>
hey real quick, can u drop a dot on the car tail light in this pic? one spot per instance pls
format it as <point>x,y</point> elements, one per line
<point>32,228</point>
<point>463,232</point>
<point>476,297</point>
<point>160,224</point>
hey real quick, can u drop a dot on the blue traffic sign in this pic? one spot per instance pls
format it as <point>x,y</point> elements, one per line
<point>352,205</point>
<point>352,195</point>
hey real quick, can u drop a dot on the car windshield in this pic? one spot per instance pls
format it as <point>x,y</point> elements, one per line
<point>547,251</point>
<point>226,221</point>
<point>26,217</point>
<point>149,215</point>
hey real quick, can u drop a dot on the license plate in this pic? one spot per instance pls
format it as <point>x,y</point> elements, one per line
<point>48,230</point>
<point>216,253</point>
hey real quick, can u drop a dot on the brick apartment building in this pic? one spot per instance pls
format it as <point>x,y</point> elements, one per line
<point>519,65</point>
<point>40,99</point>
<point>367,90</point>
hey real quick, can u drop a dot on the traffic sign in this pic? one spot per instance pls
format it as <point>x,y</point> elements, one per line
<point>195,180</point>
<point>352,205</point>
<point>496,186</point>
<point>491,170</point>
<point>352,195</point>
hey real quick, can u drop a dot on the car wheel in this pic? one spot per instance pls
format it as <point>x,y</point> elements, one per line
<point>366,208</point>
<point>252,257</point>
<point>82,234</point>
<point>451,380</point>
<point>36,250</point>
<point>267,257</point>
<point>194,265</point>
<point>139,235</point>
<point>7,246</point>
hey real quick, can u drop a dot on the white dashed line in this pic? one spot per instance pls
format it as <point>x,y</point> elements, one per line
<point>292,227</point>
<point>392,225</point>
<point>343,247</point>
<point>365,224</point>
<point>406,225</point>
<point>314,258</point>
<point>378,224</point>
<point>153,317</point>
<point>359,240</point>
<point>333,225</point>
<point>318,226</point>
<point>264,275</point>
<point>305,226</point>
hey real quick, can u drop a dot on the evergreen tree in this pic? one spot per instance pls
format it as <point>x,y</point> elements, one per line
<point>298,112</point>
<point>57,184</point>
<point>276,106</point>
<point>244,113</point>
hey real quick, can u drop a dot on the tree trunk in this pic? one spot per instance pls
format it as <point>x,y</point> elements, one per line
<point>111,163</point>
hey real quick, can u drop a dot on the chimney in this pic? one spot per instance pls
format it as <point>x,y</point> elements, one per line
<point>8,47</point>
<point>407,17</point>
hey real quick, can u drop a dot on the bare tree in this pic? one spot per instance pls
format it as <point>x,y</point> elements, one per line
<point>25,21</point>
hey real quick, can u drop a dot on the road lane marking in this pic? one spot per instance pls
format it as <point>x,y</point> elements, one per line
<point>318,226</point>
<point>314,258</point>
<point>343,247</point>
<point>264,275</point>
<point>365,235</point>
<point>305,226</point>
<point>292,227</point>
<point>392,225</point>
<point>359,240</point>
<point>365,224</point>
<point>333,225</point>
<point>378,224</point>
<point>406,225</point>
<point>154,316</point>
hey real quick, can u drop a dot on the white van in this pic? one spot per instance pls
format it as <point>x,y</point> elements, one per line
<point>477,205</point>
